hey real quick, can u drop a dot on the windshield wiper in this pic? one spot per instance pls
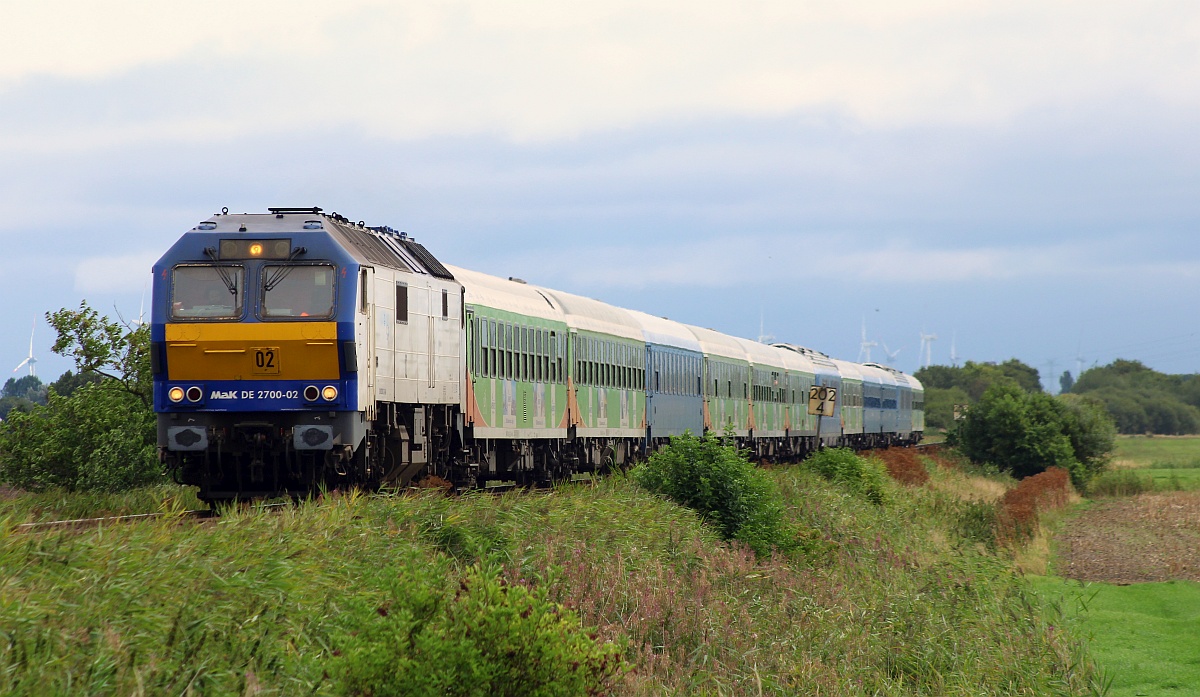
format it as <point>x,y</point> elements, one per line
<point>282,272</point>
<point>230,281</point>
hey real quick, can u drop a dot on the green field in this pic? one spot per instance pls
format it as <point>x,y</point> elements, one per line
<point>1159,452</point>
<point>1145,636</point>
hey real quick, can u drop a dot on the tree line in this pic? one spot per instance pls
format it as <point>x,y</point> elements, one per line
<point>1139,399</point>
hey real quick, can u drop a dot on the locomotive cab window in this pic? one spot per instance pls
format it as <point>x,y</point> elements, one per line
<point>207,292</point>
<point>298,291</point>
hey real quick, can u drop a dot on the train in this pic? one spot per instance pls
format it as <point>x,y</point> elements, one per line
<point>296,351</point>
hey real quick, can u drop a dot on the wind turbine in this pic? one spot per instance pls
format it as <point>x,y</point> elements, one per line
<point>927,348</point>
<point>30,360</point>
<point>866,346</point>
<point>953,350</point>
<point>891,355</point>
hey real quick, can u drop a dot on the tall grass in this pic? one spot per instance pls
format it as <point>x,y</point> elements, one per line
<point>889,600</point>
<point>60,504</point>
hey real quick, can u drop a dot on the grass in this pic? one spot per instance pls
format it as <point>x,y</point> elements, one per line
<point>1150,463</point>
<point>892,599</point>
<point>1144,634</point>
<point>56,504</point>
<point>1159,452</point>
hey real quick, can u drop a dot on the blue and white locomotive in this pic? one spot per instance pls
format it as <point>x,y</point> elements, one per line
<point>297,350</point>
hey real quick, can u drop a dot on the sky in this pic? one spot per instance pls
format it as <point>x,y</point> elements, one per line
<point>1017,178</point>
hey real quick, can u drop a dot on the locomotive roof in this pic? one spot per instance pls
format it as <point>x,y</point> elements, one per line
<point>380,246</point>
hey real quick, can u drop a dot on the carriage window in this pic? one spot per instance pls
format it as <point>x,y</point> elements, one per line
<point>210,292</point>
<point>362,290</point>
<point>402,303</point>
<point>298,291</point>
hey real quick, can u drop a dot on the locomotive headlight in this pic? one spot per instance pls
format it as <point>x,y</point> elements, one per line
<point>194,394</point>
<point>256,249</point>
<point>329,393</point>
<point>175,394</point>
<point>311,393</point>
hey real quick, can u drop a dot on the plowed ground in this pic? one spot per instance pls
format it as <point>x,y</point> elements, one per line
<point>1151,537</point>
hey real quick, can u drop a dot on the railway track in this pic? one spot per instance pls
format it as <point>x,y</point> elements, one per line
<point>84,523</point>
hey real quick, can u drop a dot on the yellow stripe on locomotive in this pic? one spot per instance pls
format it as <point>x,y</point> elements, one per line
<point>252,351</point>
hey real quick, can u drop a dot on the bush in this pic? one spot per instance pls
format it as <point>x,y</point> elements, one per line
<point>719,483</point>
<point>489,638</point>
<point>97,433</point>
<point>98,439</point>
<point>862,476</point>
<point>1026,434</point>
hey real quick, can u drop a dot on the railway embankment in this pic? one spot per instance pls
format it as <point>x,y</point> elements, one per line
<point>599,588</point>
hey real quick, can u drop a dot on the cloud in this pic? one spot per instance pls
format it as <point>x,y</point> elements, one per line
<point>115,274</point>
<point>818,264</point>
<point>544,71</point>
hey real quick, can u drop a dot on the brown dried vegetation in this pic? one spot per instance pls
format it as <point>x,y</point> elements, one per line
<point>1017,518</point>
<point>903,465</point>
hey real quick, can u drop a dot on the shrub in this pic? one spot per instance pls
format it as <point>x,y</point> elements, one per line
<point>864,477</point>
<point>1119,483</point>
<point>718,482</point>
<point>489,638</point>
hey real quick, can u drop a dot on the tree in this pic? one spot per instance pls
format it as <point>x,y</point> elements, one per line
<point>68,382</point>
<point>102,433</point>
<point>939,406</point>
<point>1026,376</point>
<point>1027,433</point>
<point>1091,430</point>
<point>109,349</point>
<point>28,387</point>
<point>946,386</point>
<point>1065,382</point>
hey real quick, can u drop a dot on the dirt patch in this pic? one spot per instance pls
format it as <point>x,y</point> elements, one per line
<point>1151,537</point>
<point>8,493</point>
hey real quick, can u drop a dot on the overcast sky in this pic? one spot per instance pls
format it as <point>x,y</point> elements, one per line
<point>1019,178</point>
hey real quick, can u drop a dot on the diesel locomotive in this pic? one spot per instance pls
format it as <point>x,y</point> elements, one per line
<point>297,350</point>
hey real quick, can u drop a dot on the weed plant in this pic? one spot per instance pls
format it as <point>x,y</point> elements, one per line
<point>863,476</point>
<point>1017,519</point>
<point>717,481</point>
